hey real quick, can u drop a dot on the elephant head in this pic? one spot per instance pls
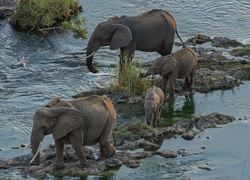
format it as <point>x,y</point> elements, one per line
<point>57,120</point>
<point>107,33</point>
<point>163,66</point>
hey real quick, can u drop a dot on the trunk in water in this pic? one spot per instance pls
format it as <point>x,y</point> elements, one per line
<point>89,63</point>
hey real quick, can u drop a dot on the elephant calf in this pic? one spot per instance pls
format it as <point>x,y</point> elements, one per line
<point>178,65</point>
<point>81,121</point>
<point>154,100</point>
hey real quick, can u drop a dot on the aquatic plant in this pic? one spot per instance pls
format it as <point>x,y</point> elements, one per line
<point>128,80</point>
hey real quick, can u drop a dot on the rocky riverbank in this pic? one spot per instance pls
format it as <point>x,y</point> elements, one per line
<point>144,137</point>
<point>218,68</point>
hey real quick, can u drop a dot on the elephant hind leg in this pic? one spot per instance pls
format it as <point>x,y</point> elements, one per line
<point>192,75</point>
<point>186,82</point>
<point>106,148</point>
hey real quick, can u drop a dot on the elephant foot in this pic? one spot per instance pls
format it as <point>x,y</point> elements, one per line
<point>58,166</point>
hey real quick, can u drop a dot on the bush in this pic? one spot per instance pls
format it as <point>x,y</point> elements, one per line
<point>44,15</point>
<point>128,80</point>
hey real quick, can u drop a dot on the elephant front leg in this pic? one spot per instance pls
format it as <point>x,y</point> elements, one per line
<point>59,155</point>
<point>164,84</point>
<point>156,117</point>
<point>191,83</point>
<point>172,81</point>
<point>159,114</point>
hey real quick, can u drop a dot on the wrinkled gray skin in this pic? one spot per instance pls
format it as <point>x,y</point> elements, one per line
<point>150,31</point>
<point>154,100</point>
<point>81,121</point>
<point>179,65</point>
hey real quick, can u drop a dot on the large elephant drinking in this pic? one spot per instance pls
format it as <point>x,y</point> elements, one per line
<point>150,31</point>
<point>81,121</point>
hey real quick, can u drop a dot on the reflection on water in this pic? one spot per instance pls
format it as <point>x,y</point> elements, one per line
<point>183,107</point>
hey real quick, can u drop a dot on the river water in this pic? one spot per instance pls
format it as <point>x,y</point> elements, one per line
<point>33,70</point>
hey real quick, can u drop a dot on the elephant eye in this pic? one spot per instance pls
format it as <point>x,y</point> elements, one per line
<point>44,128</point>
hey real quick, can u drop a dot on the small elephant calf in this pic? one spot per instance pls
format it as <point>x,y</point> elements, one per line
<point>154,100</point>
<point>178,65</point>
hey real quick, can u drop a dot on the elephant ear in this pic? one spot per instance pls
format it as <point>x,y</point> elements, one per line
<point>68,119</point>
<point>121,36</point>
<point>170,64</point>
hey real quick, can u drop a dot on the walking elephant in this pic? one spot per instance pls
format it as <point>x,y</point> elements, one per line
<point>154,100</point>
<point>178,65</point>
<point>150,31</point>
<point>81,121</point>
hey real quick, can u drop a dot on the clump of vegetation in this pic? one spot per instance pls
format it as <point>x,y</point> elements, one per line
<point>243,51</point>
<point>45,15</point>
<point>136,130</point>
<point>128,80</point>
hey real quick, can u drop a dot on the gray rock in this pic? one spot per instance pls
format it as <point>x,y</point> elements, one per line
<point>167,154</point>
<point>189,135</point>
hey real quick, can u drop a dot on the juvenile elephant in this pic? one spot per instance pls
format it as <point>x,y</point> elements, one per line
<point>150,31</point>
<point>154,100</point>
<point>81,121</point>
<point>179,65</point>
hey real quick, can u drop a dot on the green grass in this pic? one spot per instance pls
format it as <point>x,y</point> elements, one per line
<point>242,51</point>
<point>128,80</point>
<point>44,15</point>
<point>135,130</point>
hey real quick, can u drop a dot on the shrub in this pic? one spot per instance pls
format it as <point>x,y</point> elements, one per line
<point>128,80</point>
<point>45,15</point>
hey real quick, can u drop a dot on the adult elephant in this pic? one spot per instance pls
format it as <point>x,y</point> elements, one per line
<point>179,65</point>
<point>150,31</point>
<point>81,121</point>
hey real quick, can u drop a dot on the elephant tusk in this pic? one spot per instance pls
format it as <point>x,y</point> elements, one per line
<point>91,54</point>
<point>27,147</point>
<point>151,77</point>
<point>38,150</point>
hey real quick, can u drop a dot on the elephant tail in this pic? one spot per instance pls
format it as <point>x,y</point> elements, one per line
<point>180,39</point>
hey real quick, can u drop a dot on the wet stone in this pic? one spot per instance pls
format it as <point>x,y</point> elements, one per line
<point>225,42</point>
<point>148,145</point>
<point>213,120</point>
<point>112,163</point>
<point>167,154</point>
<point>130,145</point>
<point>189,135</point>
<point>39,175</point>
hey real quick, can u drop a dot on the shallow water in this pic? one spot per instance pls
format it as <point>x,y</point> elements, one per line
<point>33,70</point>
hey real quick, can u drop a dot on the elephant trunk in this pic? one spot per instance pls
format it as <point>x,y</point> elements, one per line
<point>148,73</point>
<point>93,46</point>
<point>36,142</point>
<point>89,63</point>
